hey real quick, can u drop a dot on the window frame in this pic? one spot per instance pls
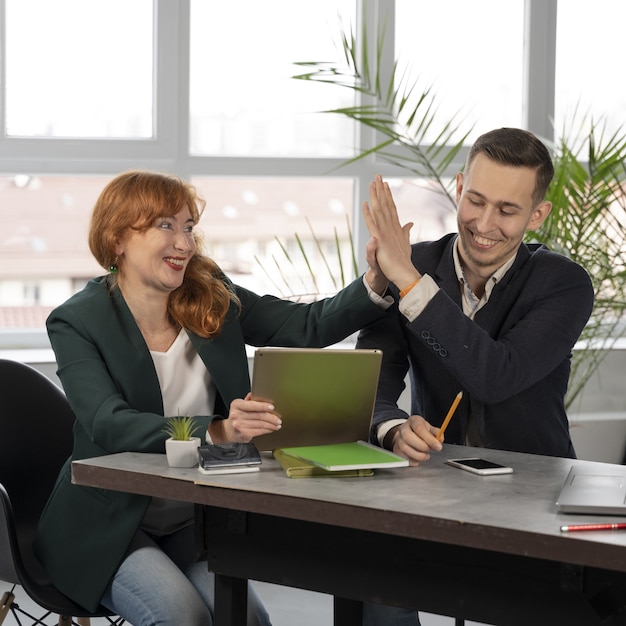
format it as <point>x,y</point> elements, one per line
<point>168,151</point>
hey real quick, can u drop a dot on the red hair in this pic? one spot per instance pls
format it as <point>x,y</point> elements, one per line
<point>134,200</point>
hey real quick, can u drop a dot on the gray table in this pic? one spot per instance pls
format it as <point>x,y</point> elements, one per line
<point>437,538</point>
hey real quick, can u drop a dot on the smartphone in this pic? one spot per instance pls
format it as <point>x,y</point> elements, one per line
<point>216,456</point>
<point>480,466</point>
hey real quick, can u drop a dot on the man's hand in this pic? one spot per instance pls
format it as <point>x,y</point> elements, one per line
<point>415,439</point>
<point>392,243</point>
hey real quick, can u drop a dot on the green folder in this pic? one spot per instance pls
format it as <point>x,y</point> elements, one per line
<point>298,468</point>
<point>347,456</point>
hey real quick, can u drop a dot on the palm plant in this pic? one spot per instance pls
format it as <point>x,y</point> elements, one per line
<point>588,219</point>
<point>308,285</point>
<point>588,224</point>
<point>403,115</point>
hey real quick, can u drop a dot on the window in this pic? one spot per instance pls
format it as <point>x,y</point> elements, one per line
<point>423,202</point>
<point>44,254</point>
<point>470,52</point>
<point>265,256</point>
<point>588,52</point>
<point>31,292</point>
<point>203,89</point>
<point>75,69</point>
<point>242,99</point>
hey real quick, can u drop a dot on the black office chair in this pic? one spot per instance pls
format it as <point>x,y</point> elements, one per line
<point>35,440</point>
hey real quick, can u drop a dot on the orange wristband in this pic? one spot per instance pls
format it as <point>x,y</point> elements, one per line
<point>407,289</point>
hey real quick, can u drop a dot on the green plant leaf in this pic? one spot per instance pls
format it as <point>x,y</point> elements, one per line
<point>588,224</point>
<point>181,427</point>
<point>588,219</point>
<point>399,110</point>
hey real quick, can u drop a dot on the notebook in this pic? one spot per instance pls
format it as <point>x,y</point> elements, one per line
<point>353,455</point>
<point>600,490</point>
<point>323,395</point>
<point>299,468</point>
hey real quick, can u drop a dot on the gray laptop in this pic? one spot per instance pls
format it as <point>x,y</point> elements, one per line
<point>600,490</point>
<point>323,395</point>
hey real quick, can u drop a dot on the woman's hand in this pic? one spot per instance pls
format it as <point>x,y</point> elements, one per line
<point>376,279</point>
<point>392,246</point>
<point>247,419</point>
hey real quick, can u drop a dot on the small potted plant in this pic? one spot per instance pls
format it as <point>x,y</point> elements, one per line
<point>182,447</point>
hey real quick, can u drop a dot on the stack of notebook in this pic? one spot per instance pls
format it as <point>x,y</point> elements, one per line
<point>340,459</point>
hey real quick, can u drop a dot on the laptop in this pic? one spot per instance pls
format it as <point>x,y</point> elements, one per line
<point>323,395</point>
<point>600,490</point>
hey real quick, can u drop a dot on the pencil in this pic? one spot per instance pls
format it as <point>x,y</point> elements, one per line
<point>572,527</point>
<point>457,399</point>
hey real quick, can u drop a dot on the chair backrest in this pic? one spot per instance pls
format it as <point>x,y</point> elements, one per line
<point>35,440</point>
<point>8,540</point>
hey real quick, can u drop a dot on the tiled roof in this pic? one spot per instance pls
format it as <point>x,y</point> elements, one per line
<point>45,221</point>
<point>46,218</point>
<point>24,316</point>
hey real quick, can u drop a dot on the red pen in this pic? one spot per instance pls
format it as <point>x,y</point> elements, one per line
<point>573,527</point>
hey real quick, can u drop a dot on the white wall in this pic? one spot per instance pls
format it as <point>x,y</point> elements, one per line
<point>598,417</point>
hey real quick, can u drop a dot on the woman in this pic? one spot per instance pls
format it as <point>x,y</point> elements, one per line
<point>162,334</point>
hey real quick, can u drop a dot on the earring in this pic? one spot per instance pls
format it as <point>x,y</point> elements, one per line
<point>113,267</point>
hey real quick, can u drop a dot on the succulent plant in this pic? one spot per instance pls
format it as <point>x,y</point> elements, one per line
<point>181,427</point>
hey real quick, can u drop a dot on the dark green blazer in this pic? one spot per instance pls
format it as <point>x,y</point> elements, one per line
<point>108,375</point>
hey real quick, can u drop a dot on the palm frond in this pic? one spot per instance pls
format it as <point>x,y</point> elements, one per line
<point>270,276</point>
<point>404,113</point>
<point>355,265</point>
<point>290,261</point>
<point>588,218</point>
<point>588,224</point>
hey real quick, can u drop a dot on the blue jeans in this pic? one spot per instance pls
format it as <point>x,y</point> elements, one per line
<point>160,583</point>
<point>381,615</point>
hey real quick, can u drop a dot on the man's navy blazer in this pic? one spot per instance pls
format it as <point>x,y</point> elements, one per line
<point>512,361</point>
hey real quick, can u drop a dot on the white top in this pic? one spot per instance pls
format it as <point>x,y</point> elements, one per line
<point>186,384</point>
<point>187,389</point>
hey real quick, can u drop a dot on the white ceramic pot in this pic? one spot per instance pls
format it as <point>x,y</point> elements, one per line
<point>182,453</point>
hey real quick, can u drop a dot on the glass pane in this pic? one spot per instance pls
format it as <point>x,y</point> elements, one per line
<point>250,227</point>
<point>472,55</point>
<point>243,100</point>
<point>79,69</point>
<point>44,255</point>
<point>423,202</point>
<point>589,49</point>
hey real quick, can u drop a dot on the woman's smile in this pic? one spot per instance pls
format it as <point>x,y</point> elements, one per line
<point>176,263</point>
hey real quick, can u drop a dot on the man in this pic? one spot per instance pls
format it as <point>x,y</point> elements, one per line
<point>479,312</point>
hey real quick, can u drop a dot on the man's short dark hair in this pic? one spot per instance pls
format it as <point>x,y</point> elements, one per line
<point>519,148</point>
